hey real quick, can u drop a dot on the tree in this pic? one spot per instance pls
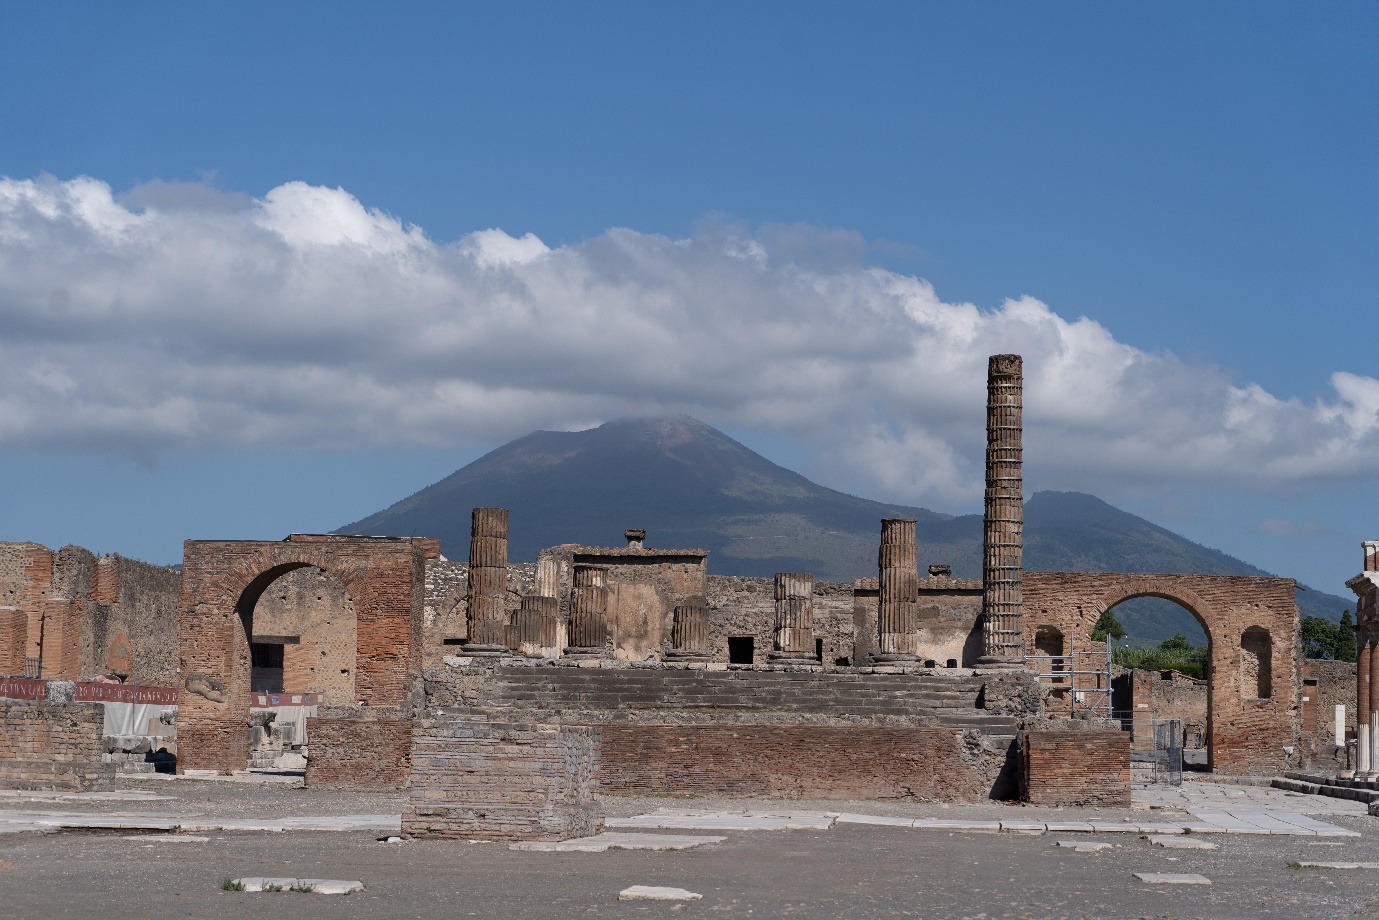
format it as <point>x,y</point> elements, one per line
<point>1107,625</point>
<point>1321,638</point>
<point>1345,638</point>
<point>1178,643</point>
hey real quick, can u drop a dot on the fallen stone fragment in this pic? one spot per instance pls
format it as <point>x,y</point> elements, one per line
<point>259,882</point>
<point>1084,846</point>
<point>151,839</point>
<point>1179,843</point>
<point>1338,865</point>
<point>330,885</point>
<point>657,893</point>
<point>1172,878</point>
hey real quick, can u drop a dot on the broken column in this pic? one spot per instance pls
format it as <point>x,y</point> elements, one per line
<point>897,617</point>
<point>1362,708</point>
<point>488,582</point>
<point>794,632</point>
<point>1374,710</point>
<point>588,613</point>
<point>1003,519</point>
<point>689,632</point>
<point>535,622</point>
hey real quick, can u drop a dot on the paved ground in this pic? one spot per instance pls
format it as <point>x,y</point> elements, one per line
<point>848,870</point>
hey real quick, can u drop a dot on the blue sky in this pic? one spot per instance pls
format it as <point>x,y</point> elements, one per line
<point>1197,181</point>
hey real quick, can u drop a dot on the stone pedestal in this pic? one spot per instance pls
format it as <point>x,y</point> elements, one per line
<point>1003,640</point>
<point>588,613</point>
<point>794,632</point>
<point>897,619</point>
<point>488,583</point>
<point>689,635</point>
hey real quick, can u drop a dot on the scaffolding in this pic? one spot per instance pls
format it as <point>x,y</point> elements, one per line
<point>1078,683</point>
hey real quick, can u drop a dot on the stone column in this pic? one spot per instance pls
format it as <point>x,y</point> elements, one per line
<point>1362,710</point>
<point>794,633</point>
<point>488,582</point>
<point>1003,521</point>
<point>689,634</point>
<point>897,617</point>
<point>535,623</point>
<point>1374,710</point>
<point>588,613</point>
<point>547,576</point>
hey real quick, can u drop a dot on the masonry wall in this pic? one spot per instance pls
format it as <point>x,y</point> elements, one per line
<point>1151,695</point>
<point>446,608</point>
<point>1248,733</point>
<point>314,607</point>
<point>742,606</point>
<point>831,762</point>
<point>363,751</point>
<point>1075,768</point>
<point>949,632</point>
<point>1334,685</point>
<point>503,781</point>
<point>52,746</point>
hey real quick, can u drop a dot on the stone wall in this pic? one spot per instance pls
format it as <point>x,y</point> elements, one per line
<point>1075,768</point>
<point>799,761</point>
<point>47,745</point>
<point>1249,731</point>
<point>1325,685</point>
<point>500,781</point>
<point>446,608</point>
<point>741,606</point>
<point>1147,696</point>
<point>313,608</point>
<point>948,614</point>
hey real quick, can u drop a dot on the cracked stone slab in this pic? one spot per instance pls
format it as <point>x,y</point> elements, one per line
<point>1172,878</point>
<point>1030,828</point>
<point>1109,827</point>
<point>150,839</point>
<point>1310,864</point>
<point>259,882</point>
<point>317,885</point>
<point>989,827</point>
<point>657,893</point>
<point>1179,843</point>
<point>1069,827</point>
<point>601,843</point>
<point>726,822</point>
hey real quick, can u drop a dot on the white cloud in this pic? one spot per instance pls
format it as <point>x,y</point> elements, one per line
<point>172,318</point>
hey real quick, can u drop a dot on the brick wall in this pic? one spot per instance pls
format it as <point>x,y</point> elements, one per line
<point>502,781</point>
<point>359,753</point>
<point>14,630</point>
<point>315,607</point>
<point>1334,685</point>
<point>814,761</point>
<point>1075,768</point>
<point>52,746</point>
<point>1247,733</point>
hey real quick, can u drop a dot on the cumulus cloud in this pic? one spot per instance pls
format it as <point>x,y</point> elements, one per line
<point>175,318</point>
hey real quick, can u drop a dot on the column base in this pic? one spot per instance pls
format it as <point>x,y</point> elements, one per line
<point>481,650</point>
<point>894,658</point>
<point>990,662</point>
<point>584,654</point>
<point>685,655</point>
<point>793,658</point>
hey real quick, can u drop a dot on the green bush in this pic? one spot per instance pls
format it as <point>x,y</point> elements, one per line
<point>1174,654</point>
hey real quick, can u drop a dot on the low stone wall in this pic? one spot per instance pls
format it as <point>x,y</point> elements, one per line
<point>502,781</point>
<point>360,751</point>
<point>1075,767</point>
<point>52,746</point>
<point>799,761</point>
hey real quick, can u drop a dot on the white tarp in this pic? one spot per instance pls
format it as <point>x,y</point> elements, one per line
<point>135,719</point>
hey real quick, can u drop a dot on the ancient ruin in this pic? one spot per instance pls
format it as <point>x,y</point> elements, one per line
<point>505,696</point>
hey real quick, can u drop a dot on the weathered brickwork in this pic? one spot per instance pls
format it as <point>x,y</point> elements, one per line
<point>446,608</point>
<point>313,608</point>
<point>742,606</point>
<point>502,781</point>
<point>948,620</point>
<point>1247,731</point>
<point>357,751</point>
<point>221,583</point>
<point>47,745</point>
<point>1326,685</point>
<point>829,762</point>
<point>1075,768</point>
<point>1147,696</point>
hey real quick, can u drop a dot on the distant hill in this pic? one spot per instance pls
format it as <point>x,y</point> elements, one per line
<point>690,485</point>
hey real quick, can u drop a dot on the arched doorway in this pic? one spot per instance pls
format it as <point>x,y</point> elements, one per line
<point>1161,653</point>
<point>300,626</point>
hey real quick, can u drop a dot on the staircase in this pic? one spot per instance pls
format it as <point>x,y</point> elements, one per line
<point>639,694</point>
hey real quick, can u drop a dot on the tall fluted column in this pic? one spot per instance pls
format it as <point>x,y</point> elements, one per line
<point>794,633</point>
<point>588,612</point>
<point>1003,521</point>
<point>1363,676</point>
<point>488,582</point>
<point>689,633</point>
<point>897,617</point>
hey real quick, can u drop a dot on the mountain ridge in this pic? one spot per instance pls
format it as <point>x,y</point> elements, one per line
<point>690,485</point>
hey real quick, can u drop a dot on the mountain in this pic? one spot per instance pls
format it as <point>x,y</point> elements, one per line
<point>690,485</point>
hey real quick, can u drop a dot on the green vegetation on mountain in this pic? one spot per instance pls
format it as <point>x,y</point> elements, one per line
<point>690,485</point>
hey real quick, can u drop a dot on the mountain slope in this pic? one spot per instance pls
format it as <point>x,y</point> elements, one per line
<point>690,485</point>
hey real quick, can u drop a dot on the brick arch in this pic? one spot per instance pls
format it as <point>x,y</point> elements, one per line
<point>384,578</point>
<point>1168,589</point>
<point>1246,735</point>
